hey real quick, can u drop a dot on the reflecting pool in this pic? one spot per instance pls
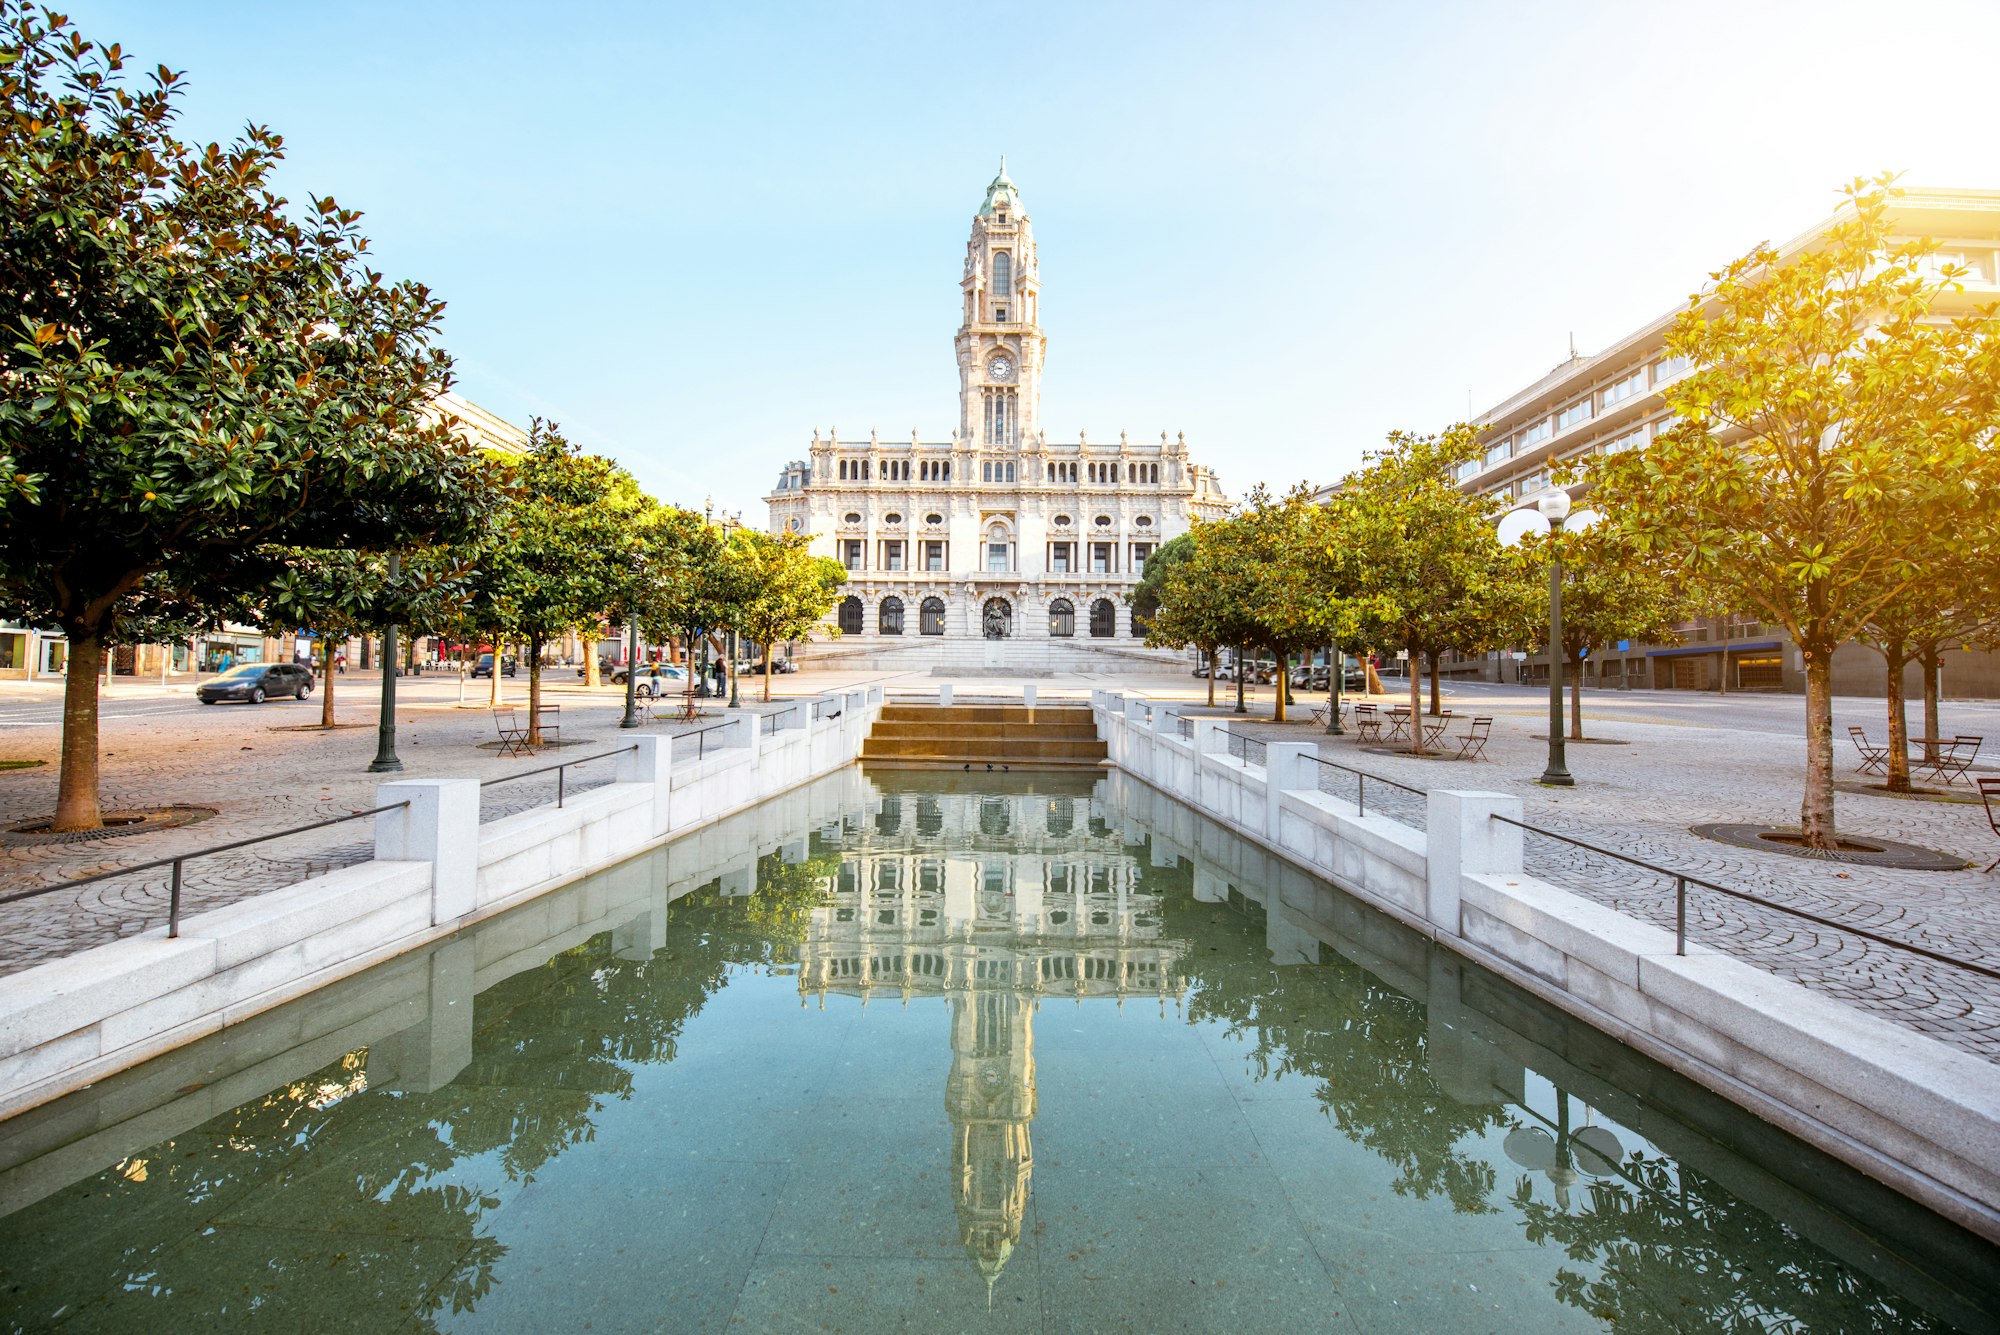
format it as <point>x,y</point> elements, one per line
<point>944,1053</point>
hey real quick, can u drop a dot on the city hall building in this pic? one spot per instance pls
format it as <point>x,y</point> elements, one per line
<point>997,547</point>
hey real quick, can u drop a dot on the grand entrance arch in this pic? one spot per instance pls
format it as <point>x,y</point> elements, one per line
<point>996,622</point>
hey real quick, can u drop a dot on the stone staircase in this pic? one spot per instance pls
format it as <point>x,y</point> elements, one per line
<point>957,736</point>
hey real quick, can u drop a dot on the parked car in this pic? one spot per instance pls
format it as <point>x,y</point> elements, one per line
<point>484,667</point>
<point>655,679</point>
<point>755,666</point>
<point>256,683</point>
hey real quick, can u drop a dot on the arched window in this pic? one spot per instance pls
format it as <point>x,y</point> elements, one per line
<point>1062,618</point>
<point>850,615</point>
<point>889,617</point>
<point>930,617</point>
<point>1138,625</point>
<point>1003,279</point>
<point>1103,619</point>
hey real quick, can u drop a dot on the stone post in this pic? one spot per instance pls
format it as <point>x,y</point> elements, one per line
<point>1028,696</point>
<point>1284,765</point>
<point>429,1054</point>
<point>439,826</point>
<point>944,694</point>
<point>1465,840</point>
<point>650,761</point>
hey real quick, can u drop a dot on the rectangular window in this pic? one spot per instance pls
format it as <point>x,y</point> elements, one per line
<point>934,556</point>
<point>892,555</point>
<point>1100,558</point>
<point>1468,470</point>
<point>1499,451</point>
<point>1570,416</point>
<point>996,556</point>
<point>1059,557</point>
<point>1668,367</point>
<point>1620,390</point>
<point>1540,431</point>
<point>1140,551</point>
<point>851,558</point>
<point>1631,440</point>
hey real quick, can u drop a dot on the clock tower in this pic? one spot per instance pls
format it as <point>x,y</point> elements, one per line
<point>1000,344</point>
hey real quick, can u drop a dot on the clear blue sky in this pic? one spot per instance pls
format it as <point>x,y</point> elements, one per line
<point>691,233</point>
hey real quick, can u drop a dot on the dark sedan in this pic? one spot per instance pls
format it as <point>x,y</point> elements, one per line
<point>256,683</point>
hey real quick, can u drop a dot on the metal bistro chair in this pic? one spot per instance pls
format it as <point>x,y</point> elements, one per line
<point>550,719</point>
<point>1435,729</point>
<point>1953,761</point>
<point>513,732</point>
<point>1874,759</point>
<point>1473,744</point>
<point>1989,793</point>
<point>1367,724</point>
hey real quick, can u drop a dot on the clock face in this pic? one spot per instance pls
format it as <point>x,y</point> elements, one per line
<point>1000,370</point>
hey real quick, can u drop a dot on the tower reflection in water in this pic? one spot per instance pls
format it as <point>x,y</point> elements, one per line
<point>994,903</point>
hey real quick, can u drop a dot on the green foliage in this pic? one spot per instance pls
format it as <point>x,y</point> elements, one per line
<point>780,590</point>
<point>193,374</point>
<point>1429,573</point>
<point>1834,445</point>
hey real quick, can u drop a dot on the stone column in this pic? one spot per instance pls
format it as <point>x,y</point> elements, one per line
<point>1465,840</point>
<point>440,825</point>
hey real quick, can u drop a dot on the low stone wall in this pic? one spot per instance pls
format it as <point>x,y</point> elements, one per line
<point>1905,1109</point>
<point>436,870</point>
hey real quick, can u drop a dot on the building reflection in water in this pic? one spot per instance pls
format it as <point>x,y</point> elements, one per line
<point>992,903</point>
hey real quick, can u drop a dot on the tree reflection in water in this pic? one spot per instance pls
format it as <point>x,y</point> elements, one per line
<point>338,1199</point>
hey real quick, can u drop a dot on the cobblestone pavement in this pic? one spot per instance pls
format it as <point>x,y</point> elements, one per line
<point>1672,772</point>
<point>160,748</point>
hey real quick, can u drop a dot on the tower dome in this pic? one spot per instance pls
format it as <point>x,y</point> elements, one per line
<point>1000,194</point>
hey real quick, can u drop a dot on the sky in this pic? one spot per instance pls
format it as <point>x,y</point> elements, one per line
<point>692,233</point>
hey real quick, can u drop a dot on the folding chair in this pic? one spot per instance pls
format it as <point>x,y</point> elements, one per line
<point>1954,760</point>
<point>1874,759</point>
<point>1434,731</point>
<point>513,732</point>
<point>1989,793</point>
<point>1367,723</point>
<point>1473,743</point>
<point>550,718</point>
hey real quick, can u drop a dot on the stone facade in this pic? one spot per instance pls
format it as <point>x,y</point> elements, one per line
<point>997,546</point>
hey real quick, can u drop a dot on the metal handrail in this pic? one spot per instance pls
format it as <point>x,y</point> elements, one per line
<point>1361,788</point>
<point>174,885</point>
<point>769,722</point>
<point>1682,880</point>
<point>558,768</point>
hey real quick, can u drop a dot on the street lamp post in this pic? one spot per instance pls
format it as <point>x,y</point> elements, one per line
<point>1554,507</point>
<point>1334,671</point>
<point>631,719</point>
<point>734,703</point>
<point>385,761</point>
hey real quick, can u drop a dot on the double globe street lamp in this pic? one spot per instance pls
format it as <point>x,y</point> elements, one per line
<point>1548,515</point>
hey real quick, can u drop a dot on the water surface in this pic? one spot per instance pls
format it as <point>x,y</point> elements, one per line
<point>976,1052</point>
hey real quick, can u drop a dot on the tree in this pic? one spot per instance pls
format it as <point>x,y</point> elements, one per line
<point>1609,592</point>
<point>192,374</point>
<point>687,583</point>
<point>1951,605</point>
<point>1430,573</point>
<point>1298,576</point>
<point>564,548</point>
<point>783,591</point>
<point>1834,440</point>
<point>1198,604</point>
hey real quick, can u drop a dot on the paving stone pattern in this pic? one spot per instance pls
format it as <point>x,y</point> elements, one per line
<point>1639,800</point>
<point>244,761</point>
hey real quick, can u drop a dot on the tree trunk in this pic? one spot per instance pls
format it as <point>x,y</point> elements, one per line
<point>1895,653</point>
<point>534,690</point>
<point>1211,677</point>
<point>1816,807</point>
<point>367,653</point>
<point>1284,683</point>
<point>1437,698</point>
<point>591,676</point>
<point>493,694</point>
<point>76,789</point>
<point>1239,681</point>
<point>1416,702</point>
<point>1576,696</point>
<point>1722,634</point>
<point>1371,679</point>
<point>326,682</point>
<point>767,672</point>
<point>1927,652</point>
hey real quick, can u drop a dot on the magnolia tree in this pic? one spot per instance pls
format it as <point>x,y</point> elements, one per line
<point>1199,602</point>
<point>1834,447</point>
<point>1429,573</point>
<point>1610,592</point>
<point>783,591</point>
<point>196,374</point>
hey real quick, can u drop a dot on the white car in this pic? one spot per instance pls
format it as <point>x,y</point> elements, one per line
<point>659,679</point>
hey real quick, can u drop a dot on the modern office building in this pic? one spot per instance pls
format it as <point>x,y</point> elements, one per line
<point>996,547</point>
<point>1612,401</point>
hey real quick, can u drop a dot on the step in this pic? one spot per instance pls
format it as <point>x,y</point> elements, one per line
<point>984,731</point>
<point>1016,750</point>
